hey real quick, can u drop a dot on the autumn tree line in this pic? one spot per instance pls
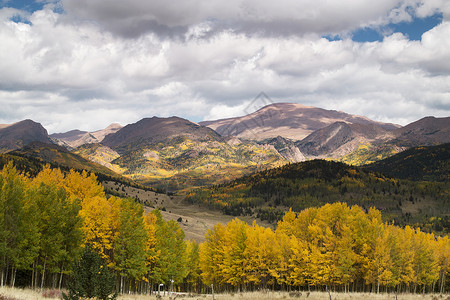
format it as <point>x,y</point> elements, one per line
<point>332,247</point>
<point>47,220</point>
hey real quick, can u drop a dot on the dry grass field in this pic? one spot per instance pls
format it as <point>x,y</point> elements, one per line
<point>27,294</point>
<point>195,220</point>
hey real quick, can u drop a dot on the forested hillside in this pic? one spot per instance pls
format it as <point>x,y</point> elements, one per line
<point>268,194</point>
<point>420,163</point>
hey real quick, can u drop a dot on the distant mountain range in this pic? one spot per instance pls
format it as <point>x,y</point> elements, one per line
<point>178,153</point>
<point>288,120</point>
<point>76,138</point>
<point>301,132</point>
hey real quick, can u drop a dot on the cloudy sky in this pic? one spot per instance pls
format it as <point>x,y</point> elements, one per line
<point>87,63</point>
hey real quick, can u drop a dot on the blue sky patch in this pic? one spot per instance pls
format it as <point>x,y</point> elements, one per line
<point>413,30</point>
<point>26,5</point>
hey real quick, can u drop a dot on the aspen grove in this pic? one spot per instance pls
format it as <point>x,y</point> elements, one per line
<point>47,220</point>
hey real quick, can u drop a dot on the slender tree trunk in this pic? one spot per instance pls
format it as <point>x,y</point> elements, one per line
<point>43,273</point>
<point>13,276</point>
<point>32,276</point>
<point>7,273</point>
<point>443,282</point>
<point>60,278</point>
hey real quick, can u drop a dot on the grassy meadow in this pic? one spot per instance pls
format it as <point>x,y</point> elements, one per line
<point>7,293</point>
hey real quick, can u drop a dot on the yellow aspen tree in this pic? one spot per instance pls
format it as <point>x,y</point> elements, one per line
<point>212,255</point>
<point>288,224</point>
<point>345,257</point>
<point>283,250</point>
<point>443,252</point>
<point>101,225</point>
<point>402,255</point>
<point>260,253</point>
<point>83,186</point>
<point>318,267</point>
<point>379,263</point>
<point>150,244</point>
<point>49,176</point>
<point>426,261</point>
<point>298,262</point>
<point>233,265</point>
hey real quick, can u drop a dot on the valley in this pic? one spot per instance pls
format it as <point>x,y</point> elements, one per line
<point>212,162</point>
<point>195,220</point>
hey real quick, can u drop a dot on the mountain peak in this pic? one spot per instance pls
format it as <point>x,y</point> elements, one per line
<point>289,120</point>
<point>114,126</point>
<point>427,131</point>
<point>155,130</point>
<point>76,138</point>
<point>22,133</point>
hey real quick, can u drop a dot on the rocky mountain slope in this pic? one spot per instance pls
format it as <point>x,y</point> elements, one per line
<point>289,120</point>
<point>76,138</point>
<point>155,130</point>
<point>176,153</point>
<point>339,139</point>
<point>17,135</point>
<point>424,132</point>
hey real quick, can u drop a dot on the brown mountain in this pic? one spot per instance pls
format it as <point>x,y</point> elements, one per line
<point>155,130</point>
<point>176,153</point>
<point>288,120</point>
<point>22,133</point>
<point>76,138</point>
<point>340,138</point>
<point>427,131</point>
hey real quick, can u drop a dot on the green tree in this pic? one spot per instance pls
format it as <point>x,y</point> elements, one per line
<point>12,200</point>
<point>130,244</point>
<point>171,252</point>
<point>59,229</point>
<point>91,278</point>
<point>193,272</point>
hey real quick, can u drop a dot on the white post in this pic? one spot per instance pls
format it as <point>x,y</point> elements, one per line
<point>159,289</point>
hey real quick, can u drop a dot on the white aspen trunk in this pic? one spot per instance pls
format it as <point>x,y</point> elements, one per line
<point>14,277</point>
<point>43,274</point>
<point>32,276</point>
<point>60,279</point>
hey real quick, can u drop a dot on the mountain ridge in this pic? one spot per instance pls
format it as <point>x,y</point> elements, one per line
<point>177,152</point>
<point>289,120</point>
<point>20,134</point>
<point>75,138</point>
